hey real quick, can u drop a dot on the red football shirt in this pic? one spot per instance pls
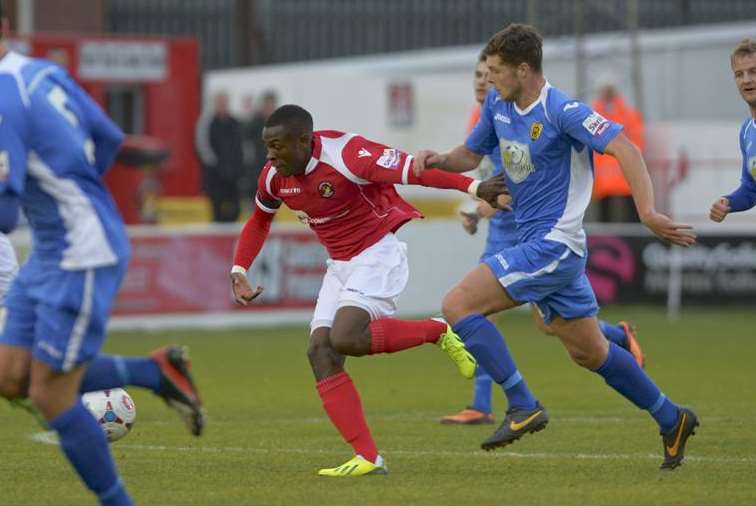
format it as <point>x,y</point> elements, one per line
<point>346,194</point>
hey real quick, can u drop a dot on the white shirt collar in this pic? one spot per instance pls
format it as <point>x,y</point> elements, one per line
<point>541,99</point>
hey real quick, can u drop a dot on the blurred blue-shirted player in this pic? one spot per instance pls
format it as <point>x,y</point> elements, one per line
<point>546,141</point>
<point>743,63</point>
<point>502,234</point>
<point>55,144</point>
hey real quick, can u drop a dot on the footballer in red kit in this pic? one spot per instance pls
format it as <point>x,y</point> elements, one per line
<point>342,186</point>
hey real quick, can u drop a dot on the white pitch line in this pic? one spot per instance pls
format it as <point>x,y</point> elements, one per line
<point>51,439</point>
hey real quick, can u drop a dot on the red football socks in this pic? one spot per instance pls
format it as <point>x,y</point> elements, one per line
<point>389,335</point>
<point>342,403</point>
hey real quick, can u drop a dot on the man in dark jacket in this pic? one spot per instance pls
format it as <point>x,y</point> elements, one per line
<point>219,145</point>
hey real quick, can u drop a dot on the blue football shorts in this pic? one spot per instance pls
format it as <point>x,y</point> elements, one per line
<point>60,315</point>
<point>548,274</point>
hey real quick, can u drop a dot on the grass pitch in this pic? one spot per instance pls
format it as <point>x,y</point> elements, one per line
<point>267,435</point>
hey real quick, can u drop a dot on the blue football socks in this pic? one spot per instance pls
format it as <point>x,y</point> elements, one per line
<point>112,371</point>
<point>83,441</point>
<point>486,344</point>
<point>614,333</point>
<point>621,372</point>
<point>482,391</point>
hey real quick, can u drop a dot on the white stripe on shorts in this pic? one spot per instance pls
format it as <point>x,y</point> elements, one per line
<point>82,322</point>
<point>514,277</point>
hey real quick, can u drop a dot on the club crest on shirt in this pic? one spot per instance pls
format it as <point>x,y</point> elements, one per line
<point>752,166</point>
<point>516,158</point>
<point>535,130</point>
<point>326,189</point>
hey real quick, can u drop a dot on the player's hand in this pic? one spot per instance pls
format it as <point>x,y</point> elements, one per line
<point>243,293</point>
<point>485,210</point>
<point>665,228</point>
<point>719,210</point>
<point>491,189</point>
<point>470,222</point>
<point>425,159</point>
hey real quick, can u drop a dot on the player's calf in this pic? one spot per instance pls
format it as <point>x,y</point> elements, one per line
<point>12,388</point>
<point>14,372</point>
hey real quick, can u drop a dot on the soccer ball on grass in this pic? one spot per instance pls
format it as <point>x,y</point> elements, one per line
<point>113,409</point>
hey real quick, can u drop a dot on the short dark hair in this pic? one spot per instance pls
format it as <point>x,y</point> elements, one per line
<point>293,118</point>
<point>516,44</point>
<point>744,48</point>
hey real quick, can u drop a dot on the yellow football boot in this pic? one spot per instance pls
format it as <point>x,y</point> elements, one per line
<point>356,466</point>
<point>455,348</point>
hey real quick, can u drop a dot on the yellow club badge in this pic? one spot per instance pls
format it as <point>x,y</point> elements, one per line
<point>752,166</point>
<point>535,130</point>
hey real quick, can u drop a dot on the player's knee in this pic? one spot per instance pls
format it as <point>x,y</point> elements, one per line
<point>319,348</point>
<point>454,305</point>
<point>589,357</point>
<point>47,398</point>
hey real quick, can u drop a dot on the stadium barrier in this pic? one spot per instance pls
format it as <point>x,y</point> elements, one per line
<point>178,277</point>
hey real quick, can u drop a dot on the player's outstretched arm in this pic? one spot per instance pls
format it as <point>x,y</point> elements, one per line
<point>634,168</point>
<point>459,159</point>
<point>493,190</point>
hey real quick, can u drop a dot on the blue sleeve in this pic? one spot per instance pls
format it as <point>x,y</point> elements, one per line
<point>483,139</point>
<point>744,198</point>
<point>14,132</point>
<point>105,134</point>
<point>583,124</point>
<point>9,205</point>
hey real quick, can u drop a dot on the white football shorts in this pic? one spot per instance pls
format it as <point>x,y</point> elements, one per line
<point>373,281</point>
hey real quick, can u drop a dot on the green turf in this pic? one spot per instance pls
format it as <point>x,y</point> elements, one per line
<point>267,434</point>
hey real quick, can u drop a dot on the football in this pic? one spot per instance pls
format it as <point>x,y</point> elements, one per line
<point>114,409</point>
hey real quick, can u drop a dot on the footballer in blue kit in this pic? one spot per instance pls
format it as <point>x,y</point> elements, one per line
<point>546,141</point>
<point>502,234</point>
<point>743,63</point>
<point>55,145</point>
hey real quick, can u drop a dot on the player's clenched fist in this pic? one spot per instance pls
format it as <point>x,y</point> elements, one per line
<point>494,191</point>
<point>243,293</point>
<point>719,210</point>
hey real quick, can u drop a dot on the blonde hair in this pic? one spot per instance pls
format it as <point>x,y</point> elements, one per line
<point>745,47</point>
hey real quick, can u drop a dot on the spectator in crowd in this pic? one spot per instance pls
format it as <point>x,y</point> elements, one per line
<point>610,189</point>
<point>219,144</point>
<point>253,134</point>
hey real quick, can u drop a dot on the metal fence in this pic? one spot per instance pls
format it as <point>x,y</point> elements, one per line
<point>244,32</point>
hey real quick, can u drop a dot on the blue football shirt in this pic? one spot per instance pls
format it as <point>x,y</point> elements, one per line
<point>744,197</point>
<point>546,151</point>
<point>55,144</point>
